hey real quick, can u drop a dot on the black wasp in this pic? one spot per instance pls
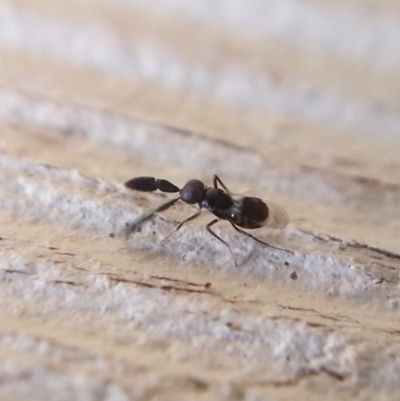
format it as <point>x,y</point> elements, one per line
<point>240,211</point>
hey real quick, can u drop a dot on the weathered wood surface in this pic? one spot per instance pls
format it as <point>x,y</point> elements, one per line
<point>294,101</point>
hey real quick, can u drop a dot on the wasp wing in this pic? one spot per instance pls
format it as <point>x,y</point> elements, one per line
<point>259,213</point>
<point>277,217</point>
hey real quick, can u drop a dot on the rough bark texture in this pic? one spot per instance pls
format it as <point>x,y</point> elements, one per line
<point>293,101</point>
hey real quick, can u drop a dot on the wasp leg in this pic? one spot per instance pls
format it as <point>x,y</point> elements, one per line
<point>258,240</point>
<point>220,239</point>
<point>181,224</point>
<point>131,227</point>
<point>217,180</point>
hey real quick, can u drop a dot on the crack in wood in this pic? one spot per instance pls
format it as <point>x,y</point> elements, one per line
<point>354,244</point>
<point>211,140</point>
<point>337,376</point>
<point>161,287</point>
<point>175,280</point>
<point>65,253</point>
<point>384,252</point>
<point>16,271</point>
<point>340,318</point>
<point>67,282</point>
<point>180,289</point>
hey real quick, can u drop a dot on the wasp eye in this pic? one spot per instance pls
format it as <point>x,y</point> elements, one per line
<point>234,217</point>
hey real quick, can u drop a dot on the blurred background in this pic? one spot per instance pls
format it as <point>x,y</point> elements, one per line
<point>299,98</point>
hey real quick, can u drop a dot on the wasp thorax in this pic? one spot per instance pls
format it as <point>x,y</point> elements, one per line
<point>193,191</point>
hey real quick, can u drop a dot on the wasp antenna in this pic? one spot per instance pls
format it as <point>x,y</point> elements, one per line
<point>151,184</point>
<point>145,184</point>
<point>166,186</point>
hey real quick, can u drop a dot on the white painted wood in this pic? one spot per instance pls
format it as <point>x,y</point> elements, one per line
<point>296,102</point>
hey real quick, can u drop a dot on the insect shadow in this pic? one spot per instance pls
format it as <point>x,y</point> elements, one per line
<point>240,211</point>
